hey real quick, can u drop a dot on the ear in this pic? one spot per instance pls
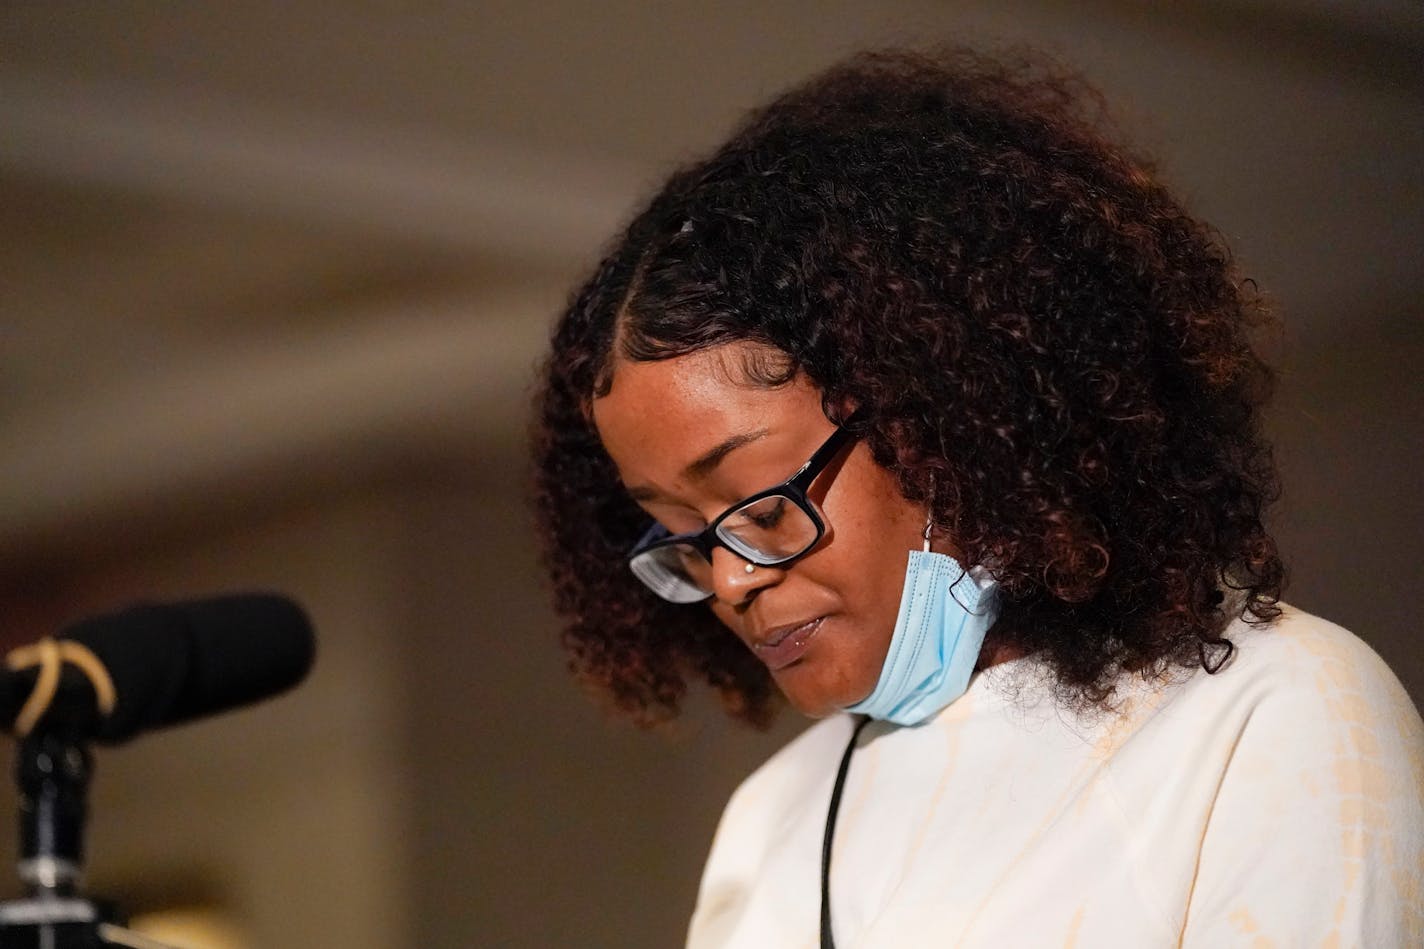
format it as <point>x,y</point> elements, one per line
<point>942,543</point>
<point>839,409</point>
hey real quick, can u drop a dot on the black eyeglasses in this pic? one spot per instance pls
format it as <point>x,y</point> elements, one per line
<point>769,528</point>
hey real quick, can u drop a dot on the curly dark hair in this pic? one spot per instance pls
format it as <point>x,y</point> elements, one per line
<point>1045,346</point>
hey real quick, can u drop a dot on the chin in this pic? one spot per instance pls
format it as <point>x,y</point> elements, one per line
<point>815,700</point>
<point>807,704</point>
<point>814,711</point>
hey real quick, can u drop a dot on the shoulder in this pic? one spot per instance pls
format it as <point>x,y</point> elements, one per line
<point>767,807</point>
<point>1306,719</point>
<point>1298,639</point>
<point>1303,704</point>
<point>1317,688</point>
<point>1296,679</point>
<point>766,814</point>
<point>1315,758</point>
<point>1310,663</point>
<point>798,768</point>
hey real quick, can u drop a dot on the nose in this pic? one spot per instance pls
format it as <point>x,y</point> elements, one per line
<point>733,584</point>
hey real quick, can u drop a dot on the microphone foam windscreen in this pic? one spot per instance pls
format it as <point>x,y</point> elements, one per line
<point>175,662</point>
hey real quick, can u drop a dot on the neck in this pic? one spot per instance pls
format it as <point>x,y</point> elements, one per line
<point>994,653</point>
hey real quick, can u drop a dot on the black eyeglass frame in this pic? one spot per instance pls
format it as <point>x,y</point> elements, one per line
<point>793,489</point>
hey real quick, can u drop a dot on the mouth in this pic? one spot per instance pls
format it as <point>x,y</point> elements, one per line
<point>783,645</point>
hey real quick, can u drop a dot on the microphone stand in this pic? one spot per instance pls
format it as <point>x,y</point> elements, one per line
<point>53,769</point>
<point>108,678</point>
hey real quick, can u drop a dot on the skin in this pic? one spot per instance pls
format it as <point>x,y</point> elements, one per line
<point>660,416</point>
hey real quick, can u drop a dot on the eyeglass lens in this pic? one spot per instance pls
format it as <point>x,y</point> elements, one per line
<point>769,530</point>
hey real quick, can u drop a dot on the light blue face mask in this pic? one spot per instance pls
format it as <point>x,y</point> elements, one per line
<point>945,611</point>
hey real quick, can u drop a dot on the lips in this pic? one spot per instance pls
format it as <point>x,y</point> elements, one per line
<point>783,645</point>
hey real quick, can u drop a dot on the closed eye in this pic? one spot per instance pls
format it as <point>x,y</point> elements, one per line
<point>771,517</point>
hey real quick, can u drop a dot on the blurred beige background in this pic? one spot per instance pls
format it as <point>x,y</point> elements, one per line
<point>273,282</point>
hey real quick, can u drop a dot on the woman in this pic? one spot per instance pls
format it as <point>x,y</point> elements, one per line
<point>921,309</point>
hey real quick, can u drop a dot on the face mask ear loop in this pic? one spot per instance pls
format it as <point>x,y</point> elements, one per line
<point>929,517</point>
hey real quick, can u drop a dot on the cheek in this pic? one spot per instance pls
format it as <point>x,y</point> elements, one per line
<point>872,527</point>
<point>871,517</point>
<point>872,548</point>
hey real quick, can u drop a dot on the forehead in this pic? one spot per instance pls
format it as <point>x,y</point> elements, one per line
<point>667,412</point>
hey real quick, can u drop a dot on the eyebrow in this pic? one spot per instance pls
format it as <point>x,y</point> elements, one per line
<point>706,463</point>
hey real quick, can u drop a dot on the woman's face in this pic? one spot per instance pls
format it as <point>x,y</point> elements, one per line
<point>823,623</point>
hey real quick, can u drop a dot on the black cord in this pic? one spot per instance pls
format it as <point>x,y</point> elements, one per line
<point>827,941</point>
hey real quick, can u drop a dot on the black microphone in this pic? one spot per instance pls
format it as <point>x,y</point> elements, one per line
<point>171,663</point>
